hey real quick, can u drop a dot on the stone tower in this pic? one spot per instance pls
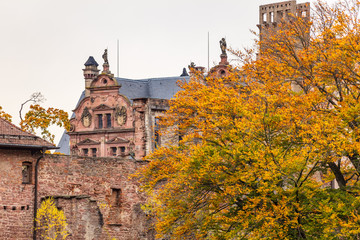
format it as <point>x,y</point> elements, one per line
<point>90,73</point>
<point>271,15</point>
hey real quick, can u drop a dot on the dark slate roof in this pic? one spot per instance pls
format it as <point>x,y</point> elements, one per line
<point>160,88</point>
<point>91,62</point>
<point>63,145</point>
<point>12,136</point>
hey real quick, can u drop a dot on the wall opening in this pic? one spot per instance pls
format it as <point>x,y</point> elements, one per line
<point>157,139</point>
<point>264,17</point>
<point>272,17</point>
<point>115,206</point>
<point>26,172</point>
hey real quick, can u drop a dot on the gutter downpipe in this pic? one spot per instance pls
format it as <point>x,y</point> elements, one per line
<point>36,191</point>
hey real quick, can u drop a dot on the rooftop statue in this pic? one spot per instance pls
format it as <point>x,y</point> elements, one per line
<point>105,57</point>
<point>223,46</point>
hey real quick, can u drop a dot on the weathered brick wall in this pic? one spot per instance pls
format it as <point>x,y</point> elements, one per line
<point>16,198</point>
<point>97,196</point>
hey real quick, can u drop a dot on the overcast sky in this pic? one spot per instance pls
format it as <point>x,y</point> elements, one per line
<point>45,43</point>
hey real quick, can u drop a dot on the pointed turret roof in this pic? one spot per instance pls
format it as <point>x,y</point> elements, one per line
<point>91,62</point>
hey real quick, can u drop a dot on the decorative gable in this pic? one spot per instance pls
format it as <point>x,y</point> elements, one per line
<point>104,81</point>
<point>88,142</point>
<point>103,107</point>
<point>118,140</point>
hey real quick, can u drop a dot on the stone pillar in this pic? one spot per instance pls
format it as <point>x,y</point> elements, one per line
<point>223,60</point>
<point>140,129</point>
<point>102,148</point>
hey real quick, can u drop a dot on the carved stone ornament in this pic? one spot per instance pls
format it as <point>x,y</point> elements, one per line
<point>120,115</point>
<point>86,118</point>
<point>72,128</point>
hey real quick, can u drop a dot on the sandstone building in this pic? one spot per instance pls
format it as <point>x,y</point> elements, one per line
<point>113,127</point>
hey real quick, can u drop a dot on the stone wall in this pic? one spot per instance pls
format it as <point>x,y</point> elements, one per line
<point>99,199</point>
<point>16,197</point>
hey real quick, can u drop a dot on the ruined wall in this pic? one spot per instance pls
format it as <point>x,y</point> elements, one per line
<point>154,110</point>
<point>16,197</point>
<point>97,196</point>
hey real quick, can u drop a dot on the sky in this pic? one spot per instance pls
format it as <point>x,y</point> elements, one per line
<point>45,43</point>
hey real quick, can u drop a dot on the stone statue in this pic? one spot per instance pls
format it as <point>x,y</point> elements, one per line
<point>223,46</point>
<point>105,57</point>
<point>192,65</point>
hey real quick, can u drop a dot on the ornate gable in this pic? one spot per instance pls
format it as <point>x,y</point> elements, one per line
<point>104,81</point>
<point>88,142</point>
<point>118,140</point>
<point>103,107</point>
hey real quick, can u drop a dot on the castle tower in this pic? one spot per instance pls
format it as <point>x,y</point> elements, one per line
<point>271,15</point>
<point>90,73</point>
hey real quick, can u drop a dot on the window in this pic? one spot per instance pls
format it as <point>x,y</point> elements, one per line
<point>122,150</point>
<point>108,120</point>
<point>264,17</point>
<point>93,152</point>
<point>26,172</point>
<point>85,152</point>
<point>100,121</point>
<point>113,151</point>
<point>272,17</point>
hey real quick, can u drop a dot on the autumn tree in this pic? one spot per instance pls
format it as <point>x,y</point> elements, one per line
<point>51,222</point>
<point>40,118</point>
<point>263,149</point>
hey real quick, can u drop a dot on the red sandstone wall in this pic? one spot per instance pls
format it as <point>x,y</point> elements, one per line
<point>97,196</point>
<point>16,198</point>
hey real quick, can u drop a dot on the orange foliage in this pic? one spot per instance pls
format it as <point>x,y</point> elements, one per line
<point>261,146</point>
<point>4,115</point>
<point>39,118</point>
